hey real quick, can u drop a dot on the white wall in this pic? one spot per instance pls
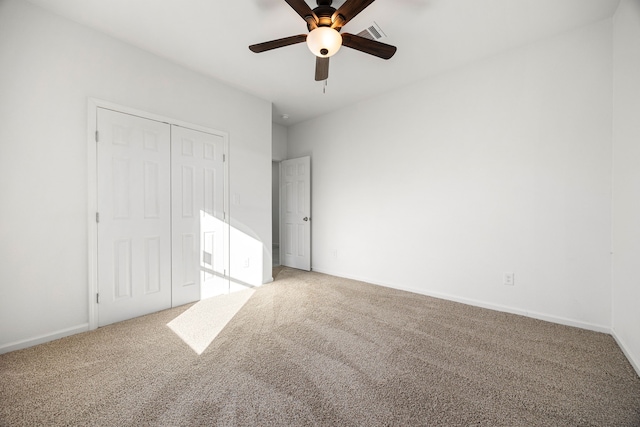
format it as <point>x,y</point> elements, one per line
<point>626,178</point>
<point>50,66</point>
<point>279,143</point>
<point>501,166</point>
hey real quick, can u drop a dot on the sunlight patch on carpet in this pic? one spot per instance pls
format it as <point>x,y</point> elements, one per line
<point>201,323</point>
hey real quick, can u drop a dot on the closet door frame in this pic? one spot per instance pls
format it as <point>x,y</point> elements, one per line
<point>92,206</point>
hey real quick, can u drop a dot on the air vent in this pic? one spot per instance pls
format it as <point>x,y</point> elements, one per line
<point>372,32</point>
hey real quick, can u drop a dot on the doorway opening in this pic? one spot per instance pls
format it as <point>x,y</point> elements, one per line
<point>275,212</point>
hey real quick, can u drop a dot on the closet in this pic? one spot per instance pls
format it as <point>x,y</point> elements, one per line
<point>161,225</point>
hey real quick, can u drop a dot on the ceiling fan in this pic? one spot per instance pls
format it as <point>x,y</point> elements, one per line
<point>324,40</point>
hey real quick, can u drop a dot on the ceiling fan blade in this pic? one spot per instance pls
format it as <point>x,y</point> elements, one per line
<point>305,12</point>
<point>372,47</point>
<point>350,9</point>
<point>322,68</point>
<point>274,44</point>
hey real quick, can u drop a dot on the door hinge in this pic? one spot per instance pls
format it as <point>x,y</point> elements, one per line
<point>224,157</point>
<point>97,298</point>
<point>97,217</point>
<point>97,136</point>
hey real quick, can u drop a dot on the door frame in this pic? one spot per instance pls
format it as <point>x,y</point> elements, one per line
<point>92,188</point>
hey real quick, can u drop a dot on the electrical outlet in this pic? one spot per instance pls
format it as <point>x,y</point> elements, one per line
<point>335,253</point>
<point>246,263</point>
<point>509,279</point>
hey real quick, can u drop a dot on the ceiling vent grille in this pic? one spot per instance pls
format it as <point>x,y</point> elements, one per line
<point>373,32</point>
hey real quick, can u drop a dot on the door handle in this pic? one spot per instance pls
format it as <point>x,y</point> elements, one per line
<point>306,218</point>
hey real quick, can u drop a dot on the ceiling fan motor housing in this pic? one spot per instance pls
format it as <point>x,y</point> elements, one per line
<point>325,14</point>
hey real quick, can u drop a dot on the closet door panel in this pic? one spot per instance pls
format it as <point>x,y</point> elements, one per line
<point>134,204</point>
<point>199,228</point>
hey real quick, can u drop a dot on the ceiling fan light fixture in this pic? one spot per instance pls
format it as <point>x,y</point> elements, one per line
<point>324,41</point>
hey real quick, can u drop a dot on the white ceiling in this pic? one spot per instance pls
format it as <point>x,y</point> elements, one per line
<point>212,37</point>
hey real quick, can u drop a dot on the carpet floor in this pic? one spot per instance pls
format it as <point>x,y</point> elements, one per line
<point>312,349</point>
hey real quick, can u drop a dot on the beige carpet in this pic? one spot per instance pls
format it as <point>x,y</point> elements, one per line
<point>311,349</point>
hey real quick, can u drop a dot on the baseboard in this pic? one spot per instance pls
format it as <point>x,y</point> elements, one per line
<point>634,362</point>
<point>482,304</point>
<point>41,339</point>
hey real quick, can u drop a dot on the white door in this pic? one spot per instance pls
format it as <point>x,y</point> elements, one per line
<point>134,239</point>
<point>199,232</point>
<point>295,213</point>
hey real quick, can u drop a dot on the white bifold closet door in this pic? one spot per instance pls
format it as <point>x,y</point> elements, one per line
<point>162,234</point>
<point>199,232</point>
<point>134,206</point>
